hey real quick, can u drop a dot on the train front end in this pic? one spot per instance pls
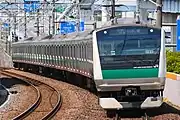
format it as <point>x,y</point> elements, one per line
<point>129,66</point>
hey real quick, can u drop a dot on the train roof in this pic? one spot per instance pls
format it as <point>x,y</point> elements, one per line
<point>83,34</point>
<point>126,22</point>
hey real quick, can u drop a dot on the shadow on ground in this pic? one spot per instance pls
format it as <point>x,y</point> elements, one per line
<point>137,113</point>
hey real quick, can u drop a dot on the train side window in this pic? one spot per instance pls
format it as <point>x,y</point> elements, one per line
<point>72,51</point>
<point>85,56</point>
<point>47,58</point>
<point>66,50</point>
<point>81,51</point>
<point>36,53</point>
<point>45,54</point>
<point>51,54</point>
<point>75,50</point>
<point>56,50</point>
<point>55,54</point>
<point>27,52</point>
<point>33,53</point>
<point>90,51</point>
<point>71,47</point>
<point>41,49</point>
<point>30,52</point>
<point>37,47</point>
<point>84,50</point>
<point>39,53</point>
<point>69,50</point>
<point>60,50</point>
<point>62,54</point>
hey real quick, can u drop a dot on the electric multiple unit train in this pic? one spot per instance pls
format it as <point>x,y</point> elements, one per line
<point>126,62</point>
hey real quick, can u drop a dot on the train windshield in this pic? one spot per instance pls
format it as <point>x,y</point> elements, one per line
<point>129,47</point>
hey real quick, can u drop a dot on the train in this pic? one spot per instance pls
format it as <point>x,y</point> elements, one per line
<point>125,62</point>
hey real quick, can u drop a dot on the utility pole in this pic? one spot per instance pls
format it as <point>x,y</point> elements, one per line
<point>49,25</point>
<point>15,24</point>
<point>113,9</point>
<point>44,3</point>
<point>9,36</point>
<point>159,13</point>
<point>137,11</point>
<point>25,25</point>
<point>53,17</point>
<point>37,21</point>
<point>15,27</point>
<point>77,16</point>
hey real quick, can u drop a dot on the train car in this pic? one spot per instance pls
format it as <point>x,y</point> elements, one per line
<point>126,62</point>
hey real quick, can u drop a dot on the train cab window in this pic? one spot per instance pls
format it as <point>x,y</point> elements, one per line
<point>124,47</point>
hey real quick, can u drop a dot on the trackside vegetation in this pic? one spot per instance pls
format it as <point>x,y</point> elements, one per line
<point>173,61</point>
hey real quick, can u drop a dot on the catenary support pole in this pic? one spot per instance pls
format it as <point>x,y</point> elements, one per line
<point>53,18</point>
<point>159,13</point>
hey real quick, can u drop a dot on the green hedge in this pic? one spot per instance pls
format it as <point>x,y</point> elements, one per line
<point>173,61</point>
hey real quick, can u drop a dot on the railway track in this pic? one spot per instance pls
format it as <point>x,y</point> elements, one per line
<point>48,99</point>
<point>79,104</point>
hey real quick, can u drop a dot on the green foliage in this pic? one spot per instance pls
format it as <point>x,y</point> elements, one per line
<point>173,61</point>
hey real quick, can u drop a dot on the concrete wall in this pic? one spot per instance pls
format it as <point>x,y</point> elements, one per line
<point>172,89</point>
<point>5,59</point>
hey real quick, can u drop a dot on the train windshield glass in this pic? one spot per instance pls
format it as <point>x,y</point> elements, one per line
<point>132,44</point>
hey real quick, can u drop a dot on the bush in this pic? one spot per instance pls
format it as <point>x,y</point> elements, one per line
<point>173,61</point>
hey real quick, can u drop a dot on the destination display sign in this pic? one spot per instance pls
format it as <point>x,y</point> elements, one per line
<point>125,31</point>
<point>130,31</point>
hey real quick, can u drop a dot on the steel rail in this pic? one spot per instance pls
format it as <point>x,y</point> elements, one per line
<point>33,106</point>
<point>57,106</point>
